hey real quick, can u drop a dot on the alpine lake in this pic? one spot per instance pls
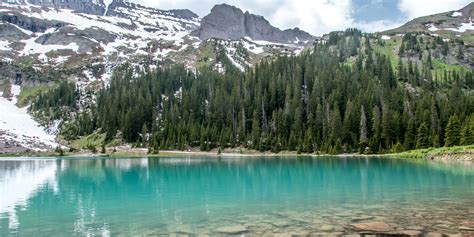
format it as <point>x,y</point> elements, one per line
<point>252,196</point>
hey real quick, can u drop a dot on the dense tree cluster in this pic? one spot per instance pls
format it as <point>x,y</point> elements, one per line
<point>342,96</point>
<point>56,103</point>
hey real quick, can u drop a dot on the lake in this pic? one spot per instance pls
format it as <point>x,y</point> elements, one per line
<point>232,195</point>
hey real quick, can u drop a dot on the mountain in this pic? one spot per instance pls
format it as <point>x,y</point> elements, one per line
<point>45,42</point>
<point>85,39</point>
<point>57,59</point>
<point>449,25</point>
<point>229,22</point>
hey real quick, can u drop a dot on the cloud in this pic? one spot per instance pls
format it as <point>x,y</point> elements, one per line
<point>322,16</point>
<point>417,8</point>
<point>315,16</point>
<point>377,26</point>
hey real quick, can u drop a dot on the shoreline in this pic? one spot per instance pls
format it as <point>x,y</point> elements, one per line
<point>461,153</point>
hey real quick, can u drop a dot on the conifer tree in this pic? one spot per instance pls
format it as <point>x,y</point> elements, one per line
<point>453,132</point>
<point>422,139</point>
<point>410,135</point>
<point>467,136</point>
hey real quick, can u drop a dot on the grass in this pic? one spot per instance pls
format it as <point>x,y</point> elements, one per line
<point>95,139</point>
<point>424,153</point>
<point>28,93</point>
<point>392,45</point>
<point>468,38</point>
<point>439,66</point>
<point>206,54</point>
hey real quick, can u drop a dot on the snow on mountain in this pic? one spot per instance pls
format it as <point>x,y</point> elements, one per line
<point>83,41</point>
<point>19,129</point>
<point>448,25</point>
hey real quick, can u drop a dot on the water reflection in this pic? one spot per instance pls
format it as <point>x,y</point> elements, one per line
<point>127,196</point>
<point>19,181</point>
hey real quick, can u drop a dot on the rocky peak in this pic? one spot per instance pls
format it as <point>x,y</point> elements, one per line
<point>468,11</point>
<point>93,7</point>
<point>116,8</point>
<point>229,22</point>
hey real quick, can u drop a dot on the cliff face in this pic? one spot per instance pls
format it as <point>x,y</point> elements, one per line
<point>229,22</point>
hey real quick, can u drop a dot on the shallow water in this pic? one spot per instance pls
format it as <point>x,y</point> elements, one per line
<point>199,195</point>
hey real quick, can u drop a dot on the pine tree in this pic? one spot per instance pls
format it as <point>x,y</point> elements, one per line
<point>453,132</point>
<point>363,138</point>
<point>467,135</point>
<point>423,139</point>
<point>410,135</point>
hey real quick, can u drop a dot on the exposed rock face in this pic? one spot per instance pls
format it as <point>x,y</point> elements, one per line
<point>28,23</point>
<point>94,7</point>
<point>10,32</point>
<point>229,22</point>
<point>468,11</point>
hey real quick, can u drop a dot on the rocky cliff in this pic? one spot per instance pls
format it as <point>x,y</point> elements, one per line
<point>229,22</point>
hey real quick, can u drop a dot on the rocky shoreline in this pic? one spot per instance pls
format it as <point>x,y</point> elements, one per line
<point>458,156</point>
<point>441,218</point>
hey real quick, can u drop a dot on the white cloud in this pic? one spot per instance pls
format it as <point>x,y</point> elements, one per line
<point>315,16</point>
<point>417,8</point>
<point>377,26</point>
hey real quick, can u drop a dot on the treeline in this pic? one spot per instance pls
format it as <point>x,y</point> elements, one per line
<point>342,96</point>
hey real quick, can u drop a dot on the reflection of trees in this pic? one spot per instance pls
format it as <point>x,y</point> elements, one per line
<point>98,193</point>
<point>97,170</point>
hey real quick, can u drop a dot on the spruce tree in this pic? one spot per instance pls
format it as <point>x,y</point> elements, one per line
<point>453,132</point>
<point>423,137</point>
<point>363,138</point>
<point>467,135</point>
<point>410,135</point>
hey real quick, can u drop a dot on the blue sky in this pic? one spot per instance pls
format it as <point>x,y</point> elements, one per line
<point>322,16</point>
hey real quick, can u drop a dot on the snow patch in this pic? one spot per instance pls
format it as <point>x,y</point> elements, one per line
<point>433,28</point>
<point>463,28</point>
<point>235,63</point>
<point>256,49</point>
<point>4,45</point>
<point>17,125</point>
<point>385,37</point>
<point>456,14</point>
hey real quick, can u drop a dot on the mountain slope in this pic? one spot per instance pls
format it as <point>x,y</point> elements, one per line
<point>450,25</point>
<point>45,42</point>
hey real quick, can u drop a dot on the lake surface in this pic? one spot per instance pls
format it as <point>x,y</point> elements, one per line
<point>199,195</point>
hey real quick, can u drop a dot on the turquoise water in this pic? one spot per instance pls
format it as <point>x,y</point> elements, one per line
<point>109,197</point>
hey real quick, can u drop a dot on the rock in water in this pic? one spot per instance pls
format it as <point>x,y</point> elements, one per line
<point>372,227</point>
<point>232,230</point>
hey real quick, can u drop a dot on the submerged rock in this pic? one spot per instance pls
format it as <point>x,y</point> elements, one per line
<point>361,218</point>
<point>232,230</point>
<point>408,233</point>
<point>372,227</point>
<point>466,228</point>
<point>326,228</point>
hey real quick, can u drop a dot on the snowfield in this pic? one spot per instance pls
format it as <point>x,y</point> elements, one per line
<point>18,126</point>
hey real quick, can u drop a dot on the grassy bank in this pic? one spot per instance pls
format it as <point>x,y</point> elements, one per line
<point>434,153</point>
<point>458,152</point>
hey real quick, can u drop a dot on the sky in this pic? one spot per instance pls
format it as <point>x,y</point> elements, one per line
<point>322,16</point>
